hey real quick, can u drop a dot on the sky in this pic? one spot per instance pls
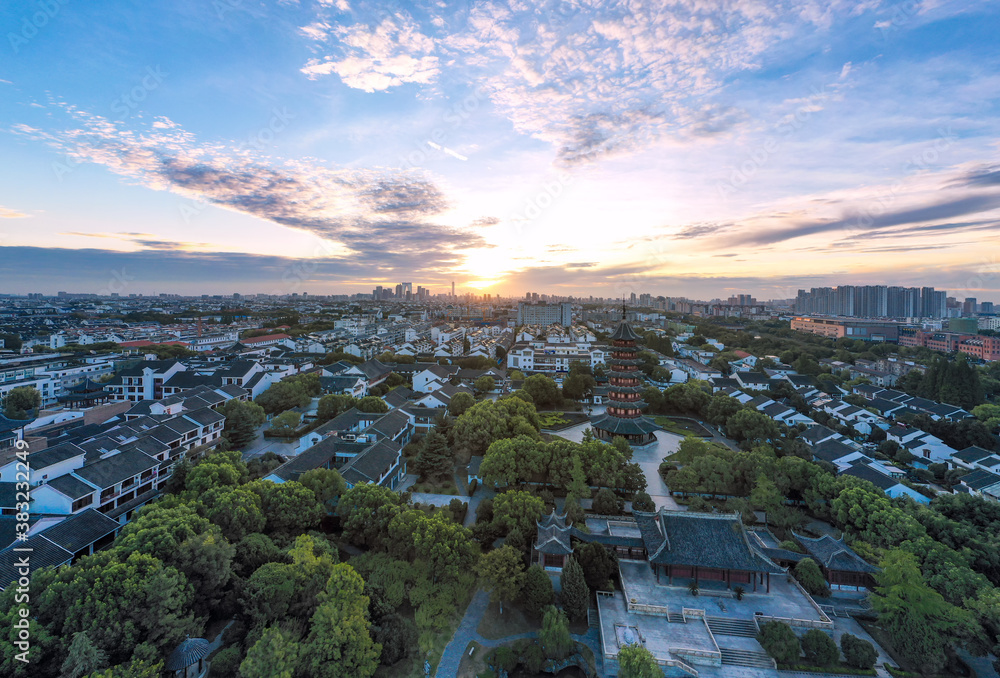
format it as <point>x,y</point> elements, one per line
<point>694,148</point>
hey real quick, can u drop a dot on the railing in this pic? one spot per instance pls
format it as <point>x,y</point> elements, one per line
<point>692,612</point>
<point>800,623</point>
<point>812,602</point>
<point>652,610</point>
<point>688,669</point>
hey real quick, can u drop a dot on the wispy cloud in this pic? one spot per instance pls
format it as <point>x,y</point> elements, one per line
<point>7,213</point>
<point>592,79</point>
<point>374,215</point>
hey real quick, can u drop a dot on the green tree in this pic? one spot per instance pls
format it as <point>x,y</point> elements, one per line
<point>808,574</point>
<point>286,424</point>
<point>635,661</point>
<point>858,652</point>
<point>140,600</point>
<point>555,637</point>
<point>578,386</point>
<point>236,510</point>
<point>599,566</point>
<point>327,484</point>
<point>334,404</point>
<point>641,501</point>
<point>721,408</point>
<point>543,390</point>
<point>365,511</point>
<point>919,620</point>
<point>502,572</point>
<point>20,402</point>
<point>372,405</point>
<point>517,509</point>
<point>819,648</point>
<point>339,644</point>
<point>607,503</point>
<point>575,594</point>
<point>274,655</point>
<point>537,591</point>
<point>779,640</point>
<point>83,657</point>
<point>282,396</point>
<point>490,420</point>
<point>460,403</point>
<point>434,460</point>
<point>484,384</point>
<point>290,507</point>
<point>751,428</point>
<point>243,418</point>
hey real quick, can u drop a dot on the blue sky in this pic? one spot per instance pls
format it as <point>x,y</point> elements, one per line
<point>681,148</point>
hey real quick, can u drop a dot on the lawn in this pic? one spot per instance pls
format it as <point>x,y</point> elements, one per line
<point>513,621</point>
<point>441,487</point>
<point>557,421</point>
<point>683,427</point>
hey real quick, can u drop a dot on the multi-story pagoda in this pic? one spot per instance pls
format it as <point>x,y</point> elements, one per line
<point>623,416</point>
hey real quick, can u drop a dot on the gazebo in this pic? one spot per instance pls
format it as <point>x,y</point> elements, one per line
<point>188,660</point>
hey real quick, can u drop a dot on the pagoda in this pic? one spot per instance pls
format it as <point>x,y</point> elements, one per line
<point>623,416</point>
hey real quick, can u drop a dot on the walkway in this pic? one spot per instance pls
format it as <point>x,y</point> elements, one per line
<point>467,632</point>
<point>717,437</point>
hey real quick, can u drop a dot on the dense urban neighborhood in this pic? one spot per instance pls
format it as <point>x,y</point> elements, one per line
<point>401,485</point>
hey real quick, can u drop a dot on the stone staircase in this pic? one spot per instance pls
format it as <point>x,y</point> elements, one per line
<point>748,658</point>
<point>676,618</point>
<point>723,626</point>
<point>593,619</point>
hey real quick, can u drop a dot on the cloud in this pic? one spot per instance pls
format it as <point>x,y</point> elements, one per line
<point>983,176</point>
<point>486,221</point>
<point>375,57</point>
<point>7,213</point>
<point>592,79</point>
<point>374,215</point>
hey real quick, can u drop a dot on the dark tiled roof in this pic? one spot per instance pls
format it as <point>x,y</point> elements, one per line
<point>390,425</point>
<point>371,464</point>
<point>188,653</point>
<point>834,554</point>
<point>397,396</point>
<point>815,433</point>
<point>624,332</point>
<point>53,455</point>
<point>706,540</point>
<point>205,416</point>
<point>553,536</point>
<point>620,426</point>
<point>114,469</point>
<point>980,479</point>
<point>43,554</point>
<point>71,486</point>
<point>864,472</point>
<point>81,530</point>
<point>972,454</point>
<point>8,493</point>
<point>831,450</point>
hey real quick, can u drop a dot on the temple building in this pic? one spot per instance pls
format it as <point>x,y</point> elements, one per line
<point>841,566</point>
<point>678,545</point>
<point>704,547</point>
<point>85,394</point>
<point>623,416</point>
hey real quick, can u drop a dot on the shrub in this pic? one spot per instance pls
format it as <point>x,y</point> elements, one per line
<point>503,658</point>
<point>739,592</point>
<point>472,486</point>
<point>819,648</point>
<point>534,658</point>
<point>227,662</point>
<point>790,545</point>
<point>693,587</point>
<point>641,501</point>
<point>858,652</point>
<point>607,503</point>
<point>779,641</point>
<point>808,574</point>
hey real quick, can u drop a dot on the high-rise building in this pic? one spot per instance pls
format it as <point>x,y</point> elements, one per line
<point>872,301</point>
<point>969,306</point>
<point>545,314</point>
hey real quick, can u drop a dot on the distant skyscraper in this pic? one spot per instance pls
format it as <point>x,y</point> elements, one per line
<point>453,288</point>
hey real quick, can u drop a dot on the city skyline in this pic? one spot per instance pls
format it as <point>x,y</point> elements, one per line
<point>688,150</point>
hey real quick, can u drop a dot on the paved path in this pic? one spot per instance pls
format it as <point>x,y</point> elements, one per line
<point>717,437</point>
<point>467,632</point>
<point>260,445</point>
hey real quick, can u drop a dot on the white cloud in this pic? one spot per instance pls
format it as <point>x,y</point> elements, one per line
<point>7,213</point>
